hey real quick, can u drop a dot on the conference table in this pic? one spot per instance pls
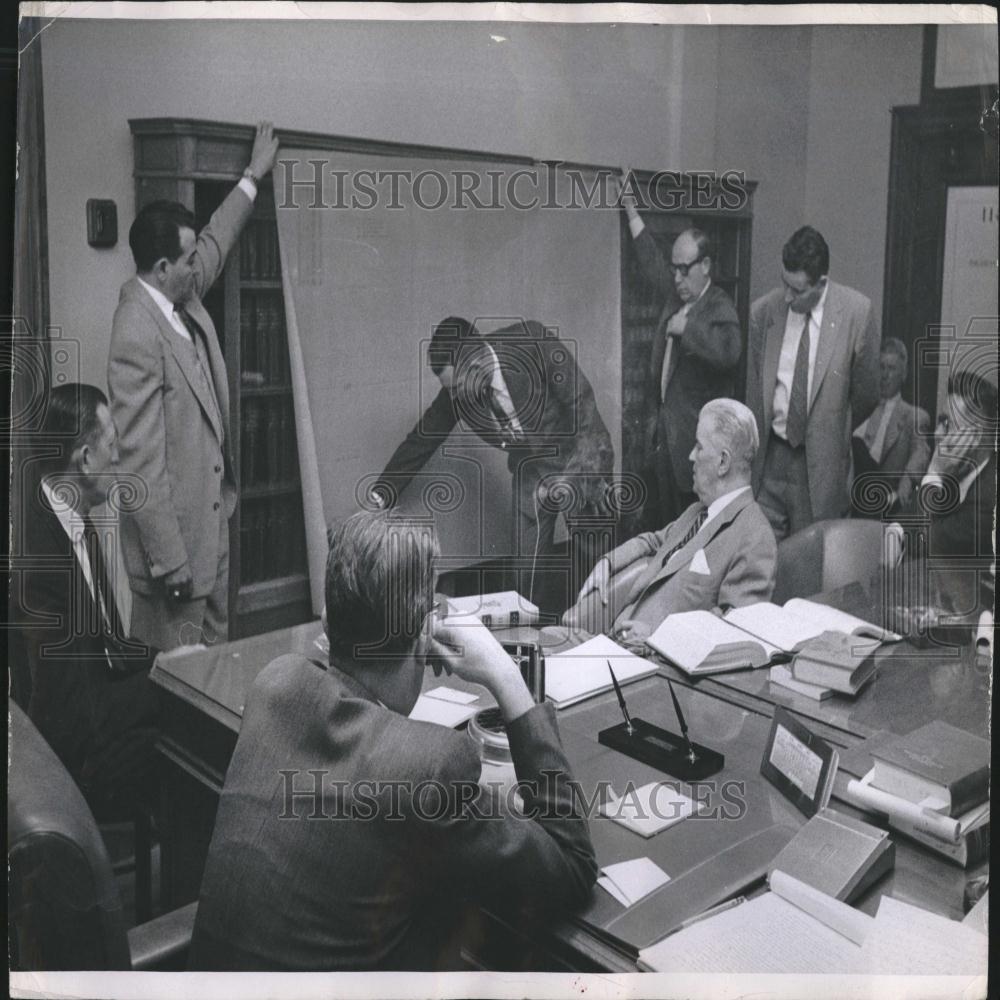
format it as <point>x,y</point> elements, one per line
<point>204,693</point>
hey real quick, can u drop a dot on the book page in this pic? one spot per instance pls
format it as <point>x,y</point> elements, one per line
<point>849,923</point>
<point>766,934</point>
<point>582,671</point>
<point>689,638</point>
<point>775,625</point>
<point>836,621</point>
<point>907,940</point>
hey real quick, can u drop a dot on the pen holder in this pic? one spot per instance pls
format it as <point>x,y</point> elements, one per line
<point>665,751</point>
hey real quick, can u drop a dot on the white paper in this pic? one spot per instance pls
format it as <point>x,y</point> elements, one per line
<point>582,671</point>
<point>451,694</point>
<point>443,713</point>
<point>630,881</point>
<point>649,809</point>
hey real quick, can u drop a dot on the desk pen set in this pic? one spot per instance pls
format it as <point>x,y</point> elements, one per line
<point>675,755</point>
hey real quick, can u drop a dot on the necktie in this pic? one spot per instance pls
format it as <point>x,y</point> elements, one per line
<point>104,593</point>
<point>688,535</point>
<point>798,402</point>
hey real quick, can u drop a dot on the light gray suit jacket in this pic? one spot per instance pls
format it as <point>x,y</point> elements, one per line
<point>172,439</point>
<point>844,388</point>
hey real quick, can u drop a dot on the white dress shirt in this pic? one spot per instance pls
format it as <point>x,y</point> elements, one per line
<point>794,326</point>
<point>719,504</point>
<point>876,427</point>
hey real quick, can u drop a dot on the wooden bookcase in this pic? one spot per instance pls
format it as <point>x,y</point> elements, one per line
<point>197,164</point>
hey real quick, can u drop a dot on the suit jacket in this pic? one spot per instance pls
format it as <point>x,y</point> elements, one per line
<point>555,405</point>
<point>844,388</point>
<point>906,450</point>
<point>738,557</point>
<point>78,703</point>
<point>365,890</point>
<point>703,364</point>
<point>172,439</point>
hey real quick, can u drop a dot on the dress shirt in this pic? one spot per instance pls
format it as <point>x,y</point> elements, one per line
<point>719,504</point>
<point>873,430</point>
<point>794,325</point>
<point>502,394</point>
<point>72,523</point>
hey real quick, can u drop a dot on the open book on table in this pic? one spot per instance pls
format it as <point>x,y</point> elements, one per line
<point>700,642</point>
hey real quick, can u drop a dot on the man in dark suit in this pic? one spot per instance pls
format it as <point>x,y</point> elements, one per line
<point>812,377</point>
<point>519,389</point>
<point>374,823</point>
<point>170,401</point>
<point>694,358</point>
<point>90,695</point>
<point>891,448</point>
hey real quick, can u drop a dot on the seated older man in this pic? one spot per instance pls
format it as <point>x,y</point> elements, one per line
<point>719,554</point>
<point>351,837</point>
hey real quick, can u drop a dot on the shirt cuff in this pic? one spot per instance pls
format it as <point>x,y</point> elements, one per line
<point>636,226</point>
<point>248,187</point>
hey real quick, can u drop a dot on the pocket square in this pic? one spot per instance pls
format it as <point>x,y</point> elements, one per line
<point>699,564</point>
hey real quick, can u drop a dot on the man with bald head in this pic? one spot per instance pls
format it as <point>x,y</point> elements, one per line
<point>719,554</point>
<point>694,358</point>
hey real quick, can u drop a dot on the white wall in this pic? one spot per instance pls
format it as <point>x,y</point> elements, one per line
<point>802,110</point>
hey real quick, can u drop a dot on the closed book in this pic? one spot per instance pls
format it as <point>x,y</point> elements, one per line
<point>938,761</point>
<point>781,674</point>
<point>702,643</point>
<point>835,660</point>
<point>973,846</point>
<point>837,854</point>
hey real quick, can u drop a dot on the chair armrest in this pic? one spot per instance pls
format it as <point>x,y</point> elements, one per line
<point>164,941</point>
<point>589,615</point>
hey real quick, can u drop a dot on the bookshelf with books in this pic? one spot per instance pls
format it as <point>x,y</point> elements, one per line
<point>729,228</point>
<point>197,163</point>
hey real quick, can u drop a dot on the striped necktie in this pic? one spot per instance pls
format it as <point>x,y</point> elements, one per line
<point>688,535</point>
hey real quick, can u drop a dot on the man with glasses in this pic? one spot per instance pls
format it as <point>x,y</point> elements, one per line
<point>812,377</point>
<point>694,358</point>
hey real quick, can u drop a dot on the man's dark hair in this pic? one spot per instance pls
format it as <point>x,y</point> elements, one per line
<point>702,241</point>
<point>806,250</point>
<point>379,584</point>
<point>155,233</point>
<point>70,422</point>
<point>449,335</point>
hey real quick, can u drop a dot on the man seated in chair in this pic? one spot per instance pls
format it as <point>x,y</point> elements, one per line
<point>351,837</point>
<point>90,694</point>
<point>719,554</point>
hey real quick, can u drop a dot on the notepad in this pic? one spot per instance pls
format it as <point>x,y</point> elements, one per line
<point>630,881</point>
<point>452,694</point>
<point>649,809</point>
<point>582,672</point>
<point>442,712</point>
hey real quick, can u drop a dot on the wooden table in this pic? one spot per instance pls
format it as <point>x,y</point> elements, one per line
<point>204,693</point>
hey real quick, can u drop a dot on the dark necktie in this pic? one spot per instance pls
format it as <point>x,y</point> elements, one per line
<point>104,594</point>
<point>688,535</point>
<point>798,401</point>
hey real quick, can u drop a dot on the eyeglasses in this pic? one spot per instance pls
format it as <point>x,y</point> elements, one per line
<point>682,269</point>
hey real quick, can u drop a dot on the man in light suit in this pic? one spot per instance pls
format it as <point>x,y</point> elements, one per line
<point>812,377</point>
<point>375,822</point>
<point>694,357</point>
<point>90,694</point>
<point>719,554</point>
<point>891,448</point>
<point>170,401</point>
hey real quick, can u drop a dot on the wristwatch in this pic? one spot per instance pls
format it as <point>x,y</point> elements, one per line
<point>251,176</point>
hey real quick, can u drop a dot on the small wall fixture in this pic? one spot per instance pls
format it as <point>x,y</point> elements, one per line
<point>102,222</point>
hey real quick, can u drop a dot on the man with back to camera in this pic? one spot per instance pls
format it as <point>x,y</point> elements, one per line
<point>694,357</point>
<point>719,554</point>
<point>384,883</point>
<point>891,447</point>
<point>812,377</point>
<point>90,695</point>
<point>170,400</point>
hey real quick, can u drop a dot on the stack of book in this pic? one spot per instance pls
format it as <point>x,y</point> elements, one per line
<point>831,662</point>
<point>933,785</point>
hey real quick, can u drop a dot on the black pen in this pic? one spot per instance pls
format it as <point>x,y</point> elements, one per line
<point>629,728</point>
<point>692,756</point>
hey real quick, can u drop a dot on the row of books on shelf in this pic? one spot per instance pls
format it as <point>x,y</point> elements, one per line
<point>259,255</point>
<point>272,539</point>
<point>263,343</point>
<point>268,452</point>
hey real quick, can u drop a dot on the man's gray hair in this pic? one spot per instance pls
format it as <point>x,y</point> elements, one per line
<point>735,426</point>
<point>893,345</point>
